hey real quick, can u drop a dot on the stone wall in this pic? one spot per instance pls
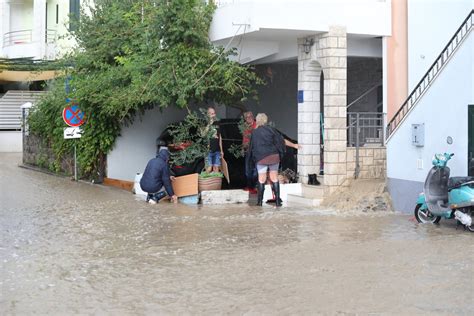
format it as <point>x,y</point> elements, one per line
<point>372,162</point>
<point>38,153</point>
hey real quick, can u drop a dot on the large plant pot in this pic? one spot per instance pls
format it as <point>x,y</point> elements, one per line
<point>209,184</point>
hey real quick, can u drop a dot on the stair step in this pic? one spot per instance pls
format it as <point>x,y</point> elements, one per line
<point>297,199</point>
<point>10,107</point>
<point>10,116</point>
<point>312,191</point>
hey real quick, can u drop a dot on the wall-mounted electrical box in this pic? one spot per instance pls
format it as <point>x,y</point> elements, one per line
<point>418,135</point>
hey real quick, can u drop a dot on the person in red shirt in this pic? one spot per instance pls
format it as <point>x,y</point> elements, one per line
<point>250,169</point>
<point>250,173</point>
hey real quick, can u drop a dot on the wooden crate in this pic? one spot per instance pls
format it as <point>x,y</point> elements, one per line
<point>186,185</point>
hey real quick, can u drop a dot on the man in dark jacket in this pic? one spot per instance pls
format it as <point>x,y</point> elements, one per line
<point>157,175</point>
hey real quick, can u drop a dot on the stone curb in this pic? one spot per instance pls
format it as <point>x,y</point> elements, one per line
<point>37,169</point>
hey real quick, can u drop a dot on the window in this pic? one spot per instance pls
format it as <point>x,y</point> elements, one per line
<point>74,9</point>
<point>57,13</point>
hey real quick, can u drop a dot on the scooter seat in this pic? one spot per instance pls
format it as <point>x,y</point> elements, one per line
<point>455,182</point>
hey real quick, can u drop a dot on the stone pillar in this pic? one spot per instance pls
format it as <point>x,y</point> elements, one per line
<point>332,51</point>
<point>39,27</point>
<point>328,54</point>
<point>309,73</point>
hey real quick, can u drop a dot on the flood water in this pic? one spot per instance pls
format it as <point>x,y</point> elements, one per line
<point>76,248</point>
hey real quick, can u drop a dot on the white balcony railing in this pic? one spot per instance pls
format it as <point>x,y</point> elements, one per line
<point>51,36</point>
<point>26,37</point>
<point>17,37</point>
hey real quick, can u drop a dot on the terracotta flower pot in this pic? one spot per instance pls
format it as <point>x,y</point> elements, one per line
<point>208,184</point>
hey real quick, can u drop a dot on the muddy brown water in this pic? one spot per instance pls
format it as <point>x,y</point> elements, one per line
<point>75,248</point>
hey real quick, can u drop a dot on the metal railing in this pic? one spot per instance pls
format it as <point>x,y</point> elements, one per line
<point>17,37</point>
<point>365,128</point>
<point>26,37</point>
<point>425,82</point>
<point>364,95</point>
<point>51,36</point>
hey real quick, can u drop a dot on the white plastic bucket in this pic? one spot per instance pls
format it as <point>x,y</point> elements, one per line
<point>136,185</point>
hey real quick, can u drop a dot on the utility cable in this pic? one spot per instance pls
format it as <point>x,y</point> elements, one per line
<point>217,58</point>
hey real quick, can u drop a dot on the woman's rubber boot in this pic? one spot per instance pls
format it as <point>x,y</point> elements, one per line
<point>273,199</point>
<point>260,190</point>
<point>276,189</point>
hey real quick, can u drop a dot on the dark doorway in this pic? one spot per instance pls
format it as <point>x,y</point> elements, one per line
<point>470,140</point>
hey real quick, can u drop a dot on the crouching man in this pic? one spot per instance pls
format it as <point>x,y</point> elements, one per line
<point>157,175</point>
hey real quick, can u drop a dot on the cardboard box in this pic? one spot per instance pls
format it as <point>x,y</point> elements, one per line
<point>185,185</point>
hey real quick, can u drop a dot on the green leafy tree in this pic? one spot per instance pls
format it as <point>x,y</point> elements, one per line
<point>135,55</point>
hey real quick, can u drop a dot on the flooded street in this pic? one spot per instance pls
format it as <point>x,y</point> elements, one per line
<point>69,248</point>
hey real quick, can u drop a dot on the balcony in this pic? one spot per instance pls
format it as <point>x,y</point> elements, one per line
<point>270,19</point>
<point>269,29</point>
<point>30,43</point>
<point>17,37</point>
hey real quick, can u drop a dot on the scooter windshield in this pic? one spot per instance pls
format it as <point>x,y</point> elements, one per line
<point>436,187</point>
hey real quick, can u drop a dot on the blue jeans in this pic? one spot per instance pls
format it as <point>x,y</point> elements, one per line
<point>156,196</point>
<point>214,159</point>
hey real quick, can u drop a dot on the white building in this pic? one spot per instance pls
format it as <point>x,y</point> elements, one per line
<point>329,53</point>
<point>440,80</point>
<point>35,28</point>
<point>31,30</point>
<point>325,63</point>
<point>351,42</point>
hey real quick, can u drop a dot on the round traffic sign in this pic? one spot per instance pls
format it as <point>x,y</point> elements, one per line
<point>73,116</point>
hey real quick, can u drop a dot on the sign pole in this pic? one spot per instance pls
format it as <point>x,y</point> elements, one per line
<point>73,117</point>
<point>75,163</point>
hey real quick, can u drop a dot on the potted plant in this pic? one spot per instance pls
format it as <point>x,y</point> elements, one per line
<point>208,181</point>
<point>191,143</point>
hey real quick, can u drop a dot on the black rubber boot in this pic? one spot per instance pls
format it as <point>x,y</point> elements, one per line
<point>313,179</point>
<point>271,201</point>
<point>276,189</point>
<point>260,190</point>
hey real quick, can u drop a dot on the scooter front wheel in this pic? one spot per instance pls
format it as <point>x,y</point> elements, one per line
<point>425,216</point>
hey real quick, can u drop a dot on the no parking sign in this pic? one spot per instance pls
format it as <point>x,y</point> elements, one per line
<point>73,116</point>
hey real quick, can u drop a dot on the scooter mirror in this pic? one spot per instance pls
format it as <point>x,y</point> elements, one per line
<point>449,140</point>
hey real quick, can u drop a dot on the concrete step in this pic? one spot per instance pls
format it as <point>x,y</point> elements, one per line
<point>224,197</point>
<point>300,200</point>
<point>312,191</point>
<point>285,189</point>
